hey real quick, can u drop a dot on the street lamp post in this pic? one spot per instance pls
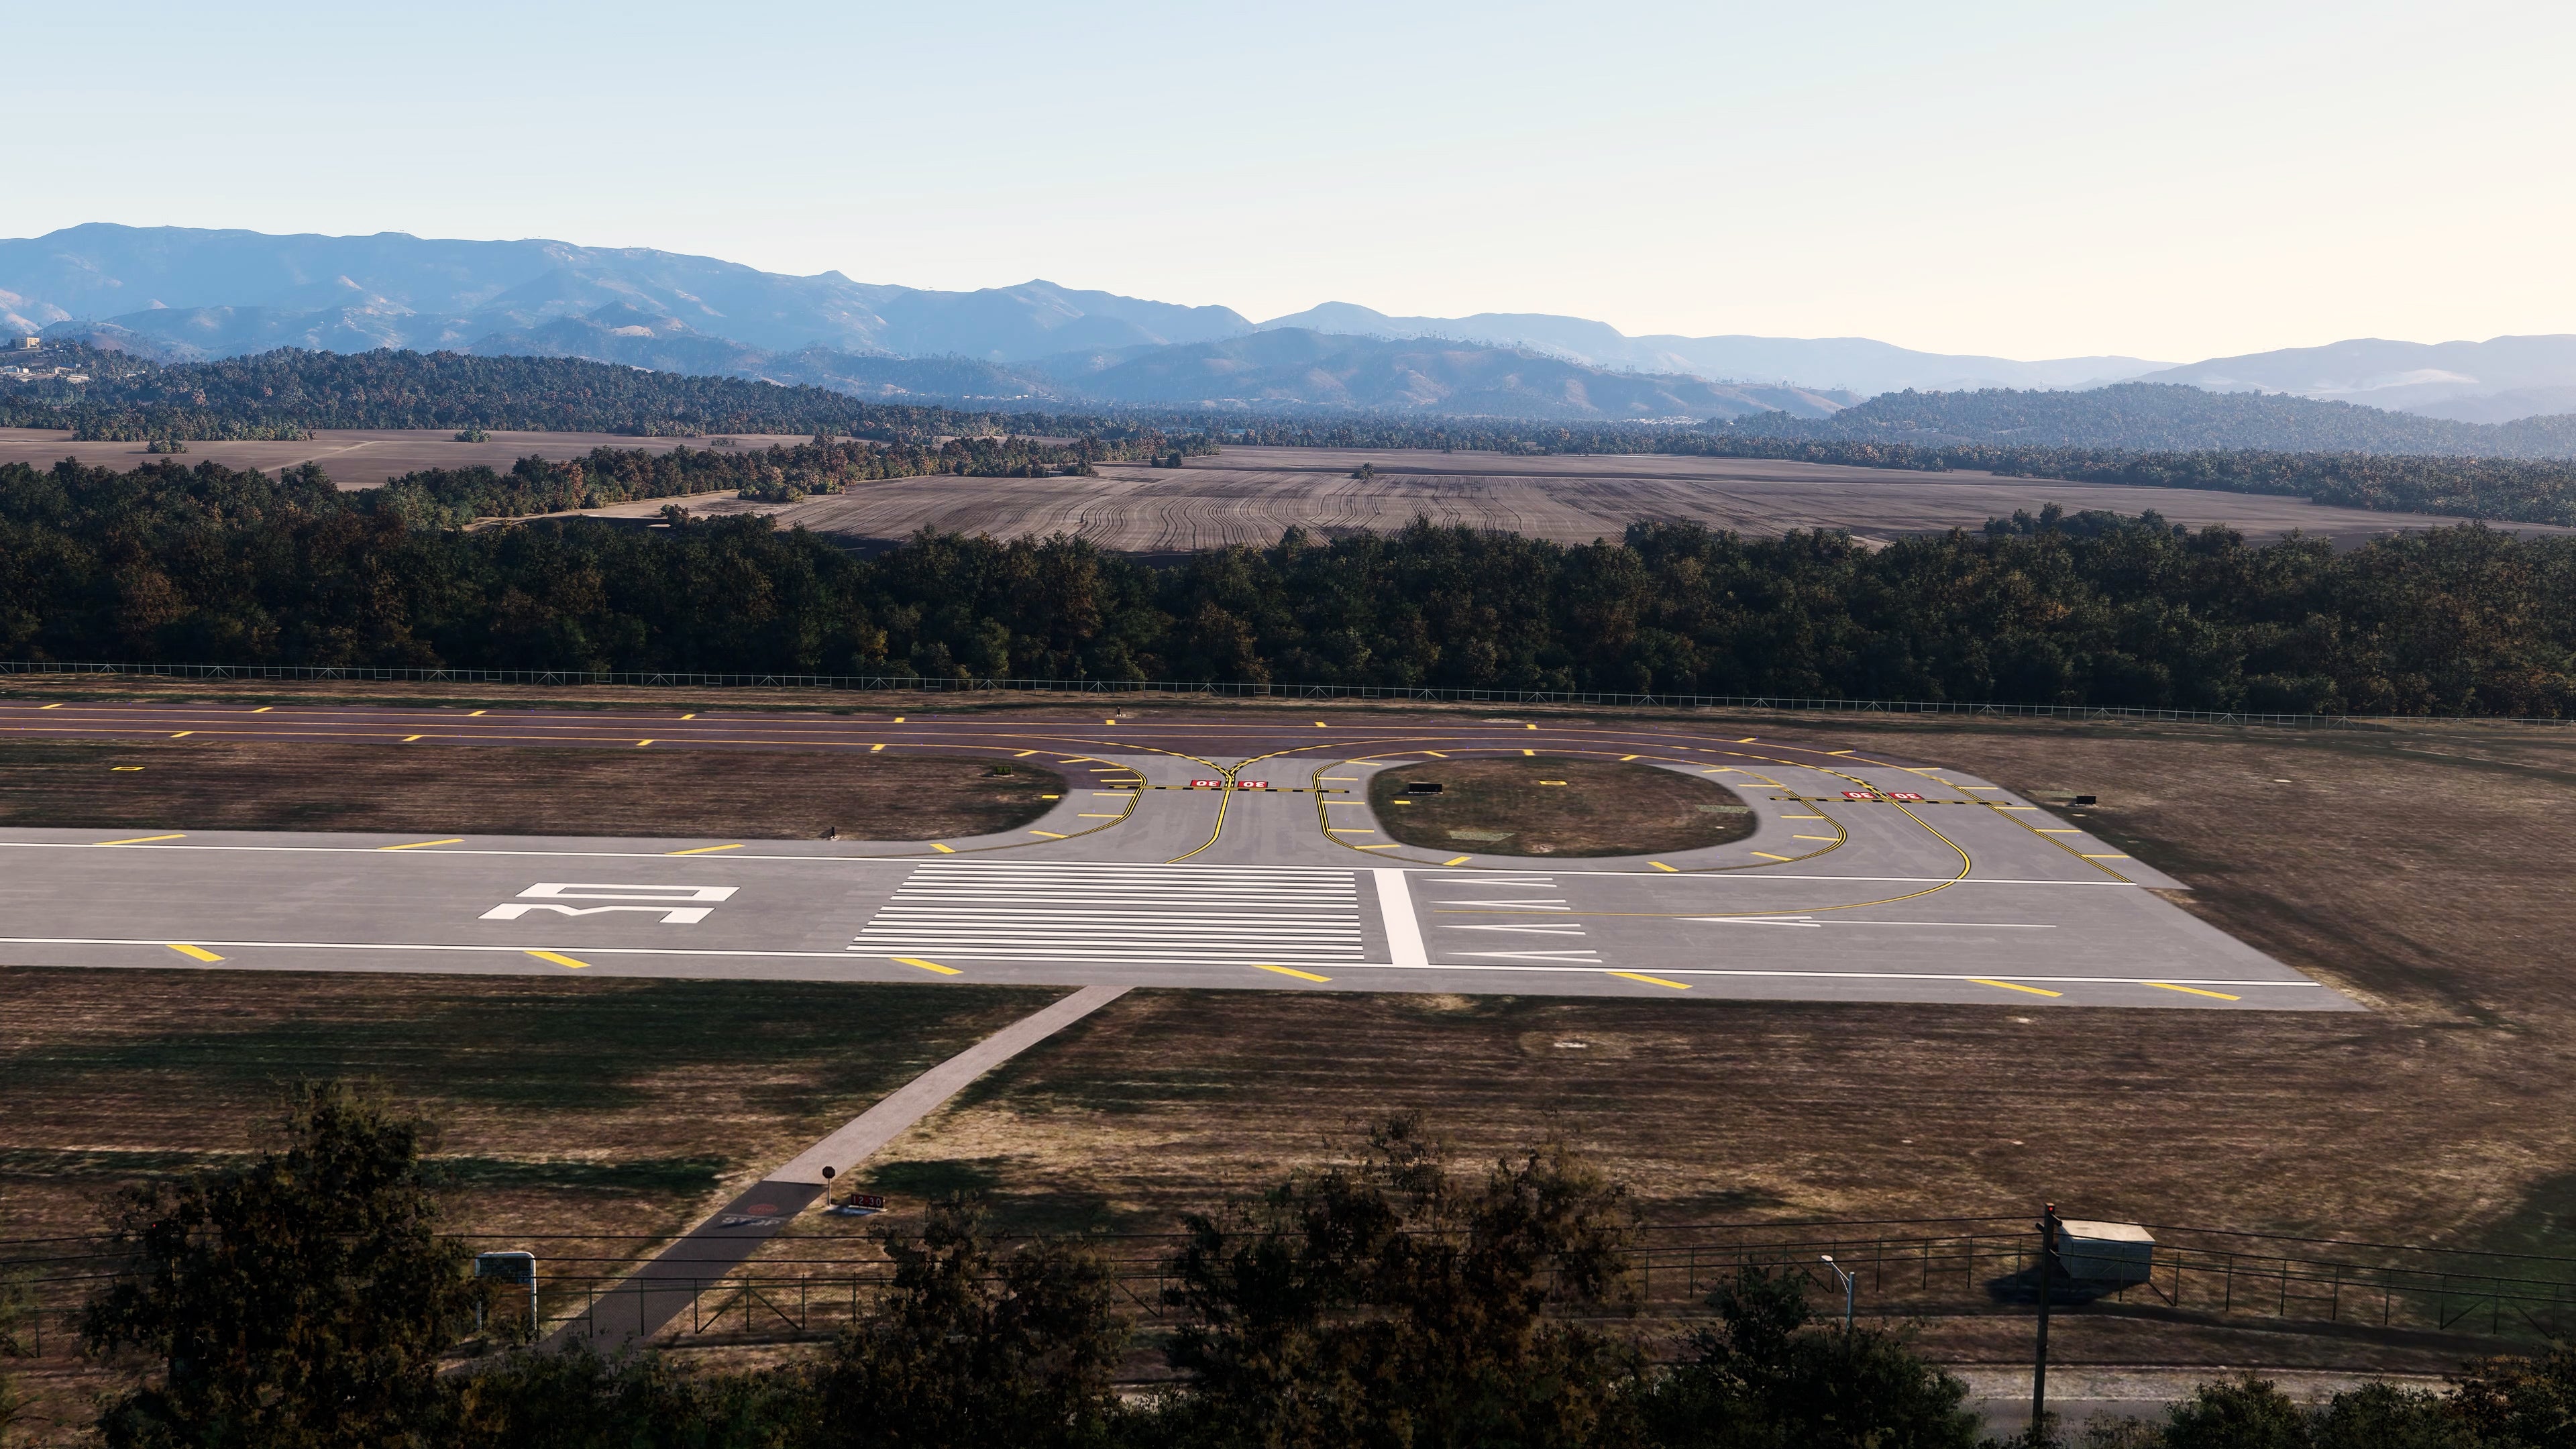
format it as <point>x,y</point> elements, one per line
<point>1849,1284</point>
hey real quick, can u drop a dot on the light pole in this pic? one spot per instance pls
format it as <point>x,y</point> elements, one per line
<point>1849,1284</point>
<point>2049,1227</point>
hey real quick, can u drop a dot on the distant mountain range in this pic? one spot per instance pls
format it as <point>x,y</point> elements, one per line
<point>182,294</point>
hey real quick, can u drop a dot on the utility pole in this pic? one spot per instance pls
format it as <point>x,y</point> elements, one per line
<point>2048,1227</point>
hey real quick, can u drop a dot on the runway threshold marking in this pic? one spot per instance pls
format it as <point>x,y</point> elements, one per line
<point>1291,971</point>
<point>139,840</point>
<point>1653,980</point>
<point>424,844</point>
<point>925,965</point>
<point>709,849</point>
<point>563,961</point>
<point>2193,990</point>
<point>199,953</point>
<point>2009,986</point>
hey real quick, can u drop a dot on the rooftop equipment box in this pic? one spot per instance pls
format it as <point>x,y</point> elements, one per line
<point>2105,1252</point>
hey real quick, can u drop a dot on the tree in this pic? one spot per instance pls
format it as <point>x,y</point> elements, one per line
<point>971,1351</point>
<point>299,1302</point>
<point>1389,1301</point>
<point>1764,1378</point>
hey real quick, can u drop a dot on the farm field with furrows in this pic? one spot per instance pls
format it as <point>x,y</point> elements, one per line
<point>1252,495</point>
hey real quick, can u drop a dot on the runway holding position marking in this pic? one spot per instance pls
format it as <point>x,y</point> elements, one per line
<point>1866,879</point>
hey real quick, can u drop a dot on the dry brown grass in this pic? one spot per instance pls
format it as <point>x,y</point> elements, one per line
<point>293,785</point>
<point>1552,805</point>
<point>354,457</point>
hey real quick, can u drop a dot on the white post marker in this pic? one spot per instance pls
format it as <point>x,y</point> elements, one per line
<point>1403,930</point>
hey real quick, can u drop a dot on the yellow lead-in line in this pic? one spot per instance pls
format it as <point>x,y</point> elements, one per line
<point>202,954</point>
<point>1291,971</point>
<point>639,744</point>
<point>2009,986</point>
<point>1625,758</point>
<point>1024,754</point>
<point>139,840</point>
<point>1659,865</point>
<point>407,739</point>
<point>1653,980</point>
<point>49,706</point>
<point>2106,857</point>
<point>942,849</point>
<point>561,960</point>
<point>1436,754</point>
<point>1390,845</point>
<point>1530,752</point>
<point>2194,990</point>
<point>1049,834</point>
<point>688,716</point>
<point>872,749</point>
<point>1812,837</point>
<point>709,849</point>
<point>925,965</point>
<point>263,709</point>
<point>470,714</point>
<point>183,734</point>
<point>1766,855</point>
<point>423,844</point>
<point>1458,860</point>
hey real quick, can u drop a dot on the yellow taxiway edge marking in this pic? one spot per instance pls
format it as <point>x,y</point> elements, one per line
<point>561,960</point>
<point>1659,865</point>
<point>200,953</point>
<point>49,706</point>
<point>688,716</point>
<point>1766,855</point>
<point>1109,721</point>
<point>139,840</point>
<point>1091,815</point>
<point>898,719</point>
<point>709,849</point>
<point>872,749</point>
<point>1529,752</point>
<point>1829,754</point>
<point>1319,724</point>
<point>2016,807</point>
<point>1338,777</point>
<point>407,739</point>
<point>1988,788</point>
<point>1350,830</point>
<point>263,709</point>
<point>1653,980</point>
<point>1748,739</point>
<point>2059,830</point>
<point>1811,837</point>
<point>183,734</point>
<point>1390,845</point>
<point>925,965</point>
<point>417,844</point>
<point>123,768</point>
<point>2009,986</point>
<point>1291,971</point>
<point>1458,860</point>
<point>1436,754</point>
<point>2105,857</point>
<point>639,744</point>
<point>942,849</point>
<point>1802,817</point>
<point>1075,760</point>
<point>1049,834</point>
<point>2163,986</point>
<point>1024,754</point>
<point>472,713</point>
<point>1623,759</point>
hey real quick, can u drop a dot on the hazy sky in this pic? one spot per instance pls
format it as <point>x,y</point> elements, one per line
<point>2170,180</point>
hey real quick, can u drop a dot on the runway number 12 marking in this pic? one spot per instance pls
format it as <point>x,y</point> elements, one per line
<point>677,905</point>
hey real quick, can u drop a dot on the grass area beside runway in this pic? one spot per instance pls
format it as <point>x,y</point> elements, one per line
<point>610,1106</point>
<point>515,790</point>
<point>1555,805</point>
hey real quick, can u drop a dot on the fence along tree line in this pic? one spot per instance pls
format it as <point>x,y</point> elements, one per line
<point>1390,1298</point>
<point>211,565</point>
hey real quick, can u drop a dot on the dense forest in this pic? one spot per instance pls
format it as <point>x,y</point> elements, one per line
<point>288,391</point>
<point>172,563</point>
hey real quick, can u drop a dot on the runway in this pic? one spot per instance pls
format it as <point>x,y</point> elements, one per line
<point>1218,852</point>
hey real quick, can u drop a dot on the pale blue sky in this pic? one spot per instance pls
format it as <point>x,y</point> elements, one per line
<point>2172,180</point>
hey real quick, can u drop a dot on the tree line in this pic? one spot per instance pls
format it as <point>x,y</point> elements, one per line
<point>1393,1298</point>
<point>169,563</point>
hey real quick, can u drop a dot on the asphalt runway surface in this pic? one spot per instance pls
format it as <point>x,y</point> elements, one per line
<point>1225,852</point>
